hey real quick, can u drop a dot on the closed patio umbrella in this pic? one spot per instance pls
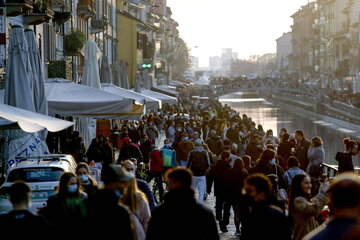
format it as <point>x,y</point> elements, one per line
<point>91,78</point>
<point>124,76</point>
<point>105,73</point>
<point>19,87</point>
<point>146,79</point>
<point>137,85</point>
<point>116,71</point>
<point>38,77</point>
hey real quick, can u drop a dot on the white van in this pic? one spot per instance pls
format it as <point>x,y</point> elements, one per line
<point>41,173</point>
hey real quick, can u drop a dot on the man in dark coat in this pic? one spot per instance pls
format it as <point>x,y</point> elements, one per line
<point>301,148</point>
<point>262,220</point>
<point>104,210</point>
<point>219,174</point>
<point>180,216</point>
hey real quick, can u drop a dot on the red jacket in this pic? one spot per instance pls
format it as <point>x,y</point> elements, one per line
<point>156,161</point>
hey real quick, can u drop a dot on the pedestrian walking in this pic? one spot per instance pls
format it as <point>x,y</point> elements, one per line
<point>199,163</point>
<point>183,149</point>
<point>104,209</point>
<point>65,209</point>
<point>180,209</point>
<point>293,170</point>
<point>262,220</point>
<point>89,184</point>
<point>219,176</point>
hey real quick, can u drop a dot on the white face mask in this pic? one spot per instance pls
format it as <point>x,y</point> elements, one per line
<point>72,188</point>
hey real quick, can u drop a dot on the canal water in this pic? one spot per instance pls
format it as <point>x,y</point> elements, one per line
<point>272,117</point>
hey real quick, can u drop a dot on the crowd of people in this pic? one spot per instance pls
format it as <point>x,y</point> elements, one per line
<point>274,184</point>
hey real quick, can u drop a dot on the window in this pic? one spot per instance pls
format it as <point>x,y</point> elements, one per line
<point>36,174</point>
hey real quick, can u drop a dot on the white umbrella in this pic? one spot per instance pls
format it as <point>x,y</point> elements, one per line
<point>146,79</point>
<point>90,75</point>
<point>116,70</point>
<point>137,85</point>
<point>18,93</point>
<point>90,78</point>
<point>105,73</point>
<point>124,76</point>
<point>30,121</point>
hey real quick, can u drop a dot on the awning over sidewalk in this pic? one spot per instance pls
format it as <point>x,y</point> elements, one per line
<point>166,89</point>
<point>165,99</point>
<point>150,102</point>
<point>70,99</point>
<point>13,118</point>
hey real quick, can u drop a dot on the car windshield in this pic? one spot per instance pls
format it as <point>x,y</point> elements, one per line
<point>35,174</point>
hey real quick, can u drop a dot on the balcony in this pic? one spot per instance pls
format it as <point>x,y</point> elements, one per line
<point>61,17</point>
<point>42,12</point>
<point>17,7</point>
<point>98,25</point>
<point>85,9</point>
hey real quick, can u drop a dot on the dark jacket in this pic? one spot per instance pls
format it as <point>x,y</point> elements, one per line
<point>265,222</point>
<point>301,150</point>
<point>130,151</point>
<point>284,148</point>
<point>219,175</point>
<point>64,212</point>
<point>22,224</point>
<point>236,182</point>
<point>110,218</point>
<point>94,152</point>
<point>271,172</point>
<point>181,217</point>
<point>345,162</point>
<point>214,145</point>
<point>254,150</point>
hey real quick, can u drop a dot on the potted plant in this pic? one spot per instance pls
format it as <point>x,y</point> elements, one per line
<point>73,42</point>
<point>39,6</point>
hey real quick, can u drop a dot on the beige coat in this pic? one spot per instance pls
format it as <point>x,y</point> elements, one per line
<point>304,214</point>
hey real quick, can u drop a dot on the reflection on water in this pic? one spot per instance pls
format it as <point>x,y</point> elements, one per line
<point>272,117</point>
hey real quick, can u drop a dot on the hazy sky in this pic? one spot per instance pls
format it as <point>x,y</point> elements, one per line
<point>248,26</point>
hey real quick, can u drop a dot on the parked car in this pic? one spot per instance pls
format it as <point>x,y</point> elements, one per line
<point>42,173</point>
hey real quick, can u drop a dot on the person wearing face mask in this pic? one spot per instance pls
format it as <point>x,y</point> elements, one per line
<point>183,148</point>
<point>20,218</point>
<point>89,185</point>
<point>268,166</point>
<point>105,209</point>
<point>262,221</point>
<point>65,209</point>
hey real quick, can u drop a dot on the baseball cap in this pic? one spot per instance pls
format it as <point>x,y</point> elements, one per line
<point>115,173</point>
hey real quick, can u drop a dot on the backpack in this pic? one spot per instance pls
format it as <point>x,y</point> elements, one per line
<point>168,157</point>
<point>198,163</point>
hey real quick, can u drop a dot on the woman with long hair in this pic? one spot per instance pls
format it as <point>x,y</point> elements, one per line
<point>89,184</point>
<point>65,209</point>
<point>138,205</point>
<point>303,209</point>
<point>237,176</point>
<point>316,156</point>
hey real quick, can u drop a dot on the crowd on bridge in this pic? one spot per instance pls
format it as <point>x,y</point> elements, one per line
<point>273,184</point>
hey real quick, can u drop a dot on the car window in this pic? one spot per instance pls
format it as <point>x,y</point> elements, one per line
<point>35,174</point>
